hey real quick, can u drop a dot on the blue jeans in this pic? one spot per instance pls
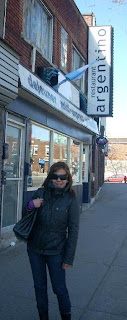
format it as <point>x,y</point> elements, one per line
<point>39,264</point>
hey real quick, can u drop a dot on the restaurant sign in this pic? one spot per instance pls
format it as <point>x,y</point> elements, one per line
<point>100,75</point>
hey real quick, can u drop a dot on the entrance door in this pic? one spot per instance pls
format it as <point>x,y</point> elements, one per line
<point>13,166</point>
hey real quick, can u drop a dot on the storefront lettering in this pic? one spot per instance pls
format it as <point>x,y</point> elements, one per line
<point>101,108</point>
<point>101,78</point>
<point>93,87</point>
<point>100,75</point>
<point>75,114</point>
<point>41,90</point>
<point>35,85</point>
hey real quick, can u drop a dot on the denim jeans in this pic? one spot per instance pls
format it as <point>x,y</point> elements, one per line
<point>39,264</point>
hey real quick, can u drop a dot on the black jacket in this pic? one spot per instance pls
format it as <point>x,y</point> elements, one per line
<point>56,227</point>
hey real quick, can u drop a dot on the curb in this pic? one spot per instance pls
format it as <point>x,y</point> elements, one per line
<point>86,206</point>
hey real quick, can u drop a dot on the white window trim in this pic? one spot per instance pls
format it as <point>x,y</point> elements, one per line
<point>86,163</point>
<point>65,66</point>
<point>73,46</point>
<point>51,148</point>
<point>46,149</point>
<point>80,161</point>
<point>33,45</point>
<point>83,77</point>
<point>51,145</point>
<point>35,154</point>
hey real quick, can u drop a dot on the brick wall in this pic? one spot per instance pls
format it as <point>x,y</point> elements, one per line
<point>89,19</point>
<point>117,149</point>
<point>64,13</point>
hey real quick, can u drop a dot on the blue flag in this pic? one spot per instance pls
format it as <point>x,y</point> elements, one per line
<point>76,74</point>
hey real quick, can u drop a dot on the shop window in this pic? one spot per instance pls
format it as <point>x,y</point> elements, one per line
<point>14,148</point>
<point>37,26</point>
<point>64,44</point>
<point>39,159</point>
<point>78,62</point>
<point>60,148</point>
<point>75,161</point>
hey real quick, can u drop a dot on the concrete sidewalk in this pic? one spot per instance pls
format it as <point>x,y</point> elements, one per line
<point>97,282</point>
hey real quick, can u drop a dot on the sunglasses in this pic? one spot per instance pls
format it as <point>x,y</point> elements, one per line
<point>61,176</point>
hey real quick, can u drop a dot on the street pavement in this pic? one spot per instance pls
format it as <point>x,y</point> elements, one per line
<point>97,282</point>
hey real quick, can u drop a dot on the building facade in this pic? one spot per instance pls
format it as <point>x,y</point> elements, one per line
<point>116,159</point>
<point>39,45</point>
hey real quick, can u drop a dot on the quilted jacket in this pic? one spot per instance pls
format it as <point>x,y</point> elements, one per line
<point>57,224</point>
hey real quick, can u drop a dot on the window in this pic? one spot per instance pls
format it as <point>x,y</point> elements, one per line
<point>78,62</point>
<point>14,148</point>
<point>47,146</point>
<point>35,150</point>
<point>39,155</point>
<point>60,148</point>
<point>64,43</point>
<point>37,27</point>
<point>47,150</point>
<point>75,161</point>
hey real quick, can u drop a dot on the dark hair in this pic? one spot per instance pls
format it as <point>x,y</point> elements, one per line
<point>56,166</point>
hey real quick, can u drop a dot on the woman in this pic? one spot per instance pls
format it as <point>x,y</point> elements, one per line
<point>53,239</point>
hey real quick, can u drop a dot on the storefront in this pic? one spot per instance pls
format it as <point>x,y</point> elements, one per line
<point>42,127</point>
<point>9,62</point>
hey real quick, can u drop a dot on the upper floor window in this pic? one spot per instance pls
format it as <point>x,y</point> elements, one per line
<point>47,150</point>
<point>37,26</point>
<point>35,150</point>
<point>78,62</point>
<point>64,44</point>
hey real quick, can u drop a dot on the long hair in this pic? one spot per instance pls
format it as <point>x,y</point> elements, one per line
<point>56,166</point>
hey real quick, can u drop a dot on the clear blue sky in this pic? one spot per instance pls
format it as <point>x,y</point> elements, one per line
<point>114,13</point>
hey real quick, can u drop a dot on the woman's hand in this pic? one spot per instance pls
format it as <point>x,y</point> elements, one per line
<point>65,266</point>
<point>38,202</point>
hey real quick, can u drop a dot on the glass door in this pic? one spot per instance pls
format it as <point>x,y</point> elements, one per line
<point>13,166</point>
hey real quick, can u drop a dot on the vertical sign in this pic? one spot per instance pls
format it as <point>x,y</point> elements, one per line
<point>100,75</point>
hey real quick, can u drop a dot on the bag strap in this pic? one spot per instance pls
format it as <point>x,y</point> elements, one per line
<point>38,193</point>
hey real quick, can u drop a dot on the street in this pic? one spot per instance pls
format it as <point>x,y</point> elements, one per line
<point>97,282</point>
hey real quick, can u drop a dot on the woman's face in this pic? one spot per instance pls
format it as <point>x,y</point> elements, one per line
<point>60,178</point>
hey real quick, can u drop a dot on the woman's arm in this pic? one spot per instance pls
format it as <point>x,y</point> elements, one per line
<point>35,203</point>
<point>37,200</point>
<point>73,228</point>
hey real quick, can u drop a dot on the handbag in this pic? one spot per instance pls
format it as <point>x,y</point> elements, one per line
<point>23,227</point>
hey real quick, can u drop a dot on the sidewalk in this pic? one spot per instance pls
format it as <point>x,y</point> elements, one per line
<point>97,282</point>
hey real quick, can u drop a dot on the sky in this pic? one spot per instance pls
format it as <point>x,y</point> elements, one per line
<point>114,13</point>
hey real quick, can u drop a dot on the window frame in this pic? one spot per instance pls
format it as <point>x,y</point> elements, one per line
<point>61,134</point>
<point>64,32</point>
<point>80,159</point>
<point>34,147</point>
<point>50,38</point>
<point>68,149</point>
<point>82,80</point>
<point>46,150</point>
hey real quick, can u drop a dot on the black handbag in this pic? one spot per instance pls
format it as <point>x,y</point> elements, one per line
<point>23,227</point>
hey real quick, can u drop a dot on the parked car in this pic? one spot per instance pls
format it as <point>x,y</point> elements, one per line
<point>116,178</point>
